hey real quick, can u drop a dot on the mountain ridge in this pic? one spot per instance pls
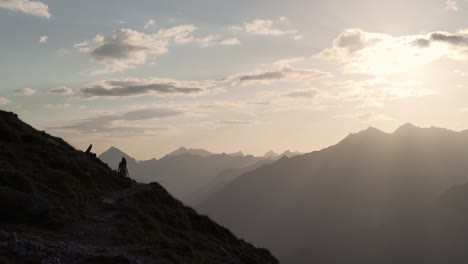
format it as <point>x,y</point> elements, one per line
<point>371,179</point>
<point>61,205</point>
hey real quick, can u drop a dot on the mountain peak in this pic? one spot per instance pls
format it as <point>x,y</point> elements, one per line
<point>270,154</point>
<point>406,127</point>
<point>184,150</point>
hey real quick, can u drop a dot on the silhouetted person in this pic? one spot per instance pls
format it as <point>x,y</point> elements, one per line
<point>123,167</point>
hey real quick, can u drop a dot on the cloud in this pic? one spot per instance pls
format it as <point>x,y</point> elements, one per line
<point>150,23</point>
<point>35,8</point>
<point>139,87</point>
<point>62,90</point>
<point>4,101</point>
<point>283,73</point>
<point>230,42</point>
<point>374,92</point>
<point>233,122</point>
<point>451,5</point>
<point>43,39</point>
<point>367,117</point>
<point>383,55</point>
<point>63,51</point>
<point>120,122</point>
<point>457,39</point>
<point>123,50</point>
<point>57,106</point>
<point>24,91</point>
<point>127,48</point>
<point>310,93</point>
<point>266,27</point>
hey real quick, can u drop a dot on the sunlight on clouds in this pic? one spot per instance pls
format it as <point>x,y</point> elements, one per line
<point>267,27</point>
<point>366,117</point>
<point>451,5</point>
<point>127,48</point>
<point>375,92</point>
<point>35,8</point>
<point>384,55</point>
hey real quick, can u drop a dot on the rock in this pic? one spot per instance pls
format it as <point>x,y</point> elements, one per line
<point>4,236</point>
<point>51,261</point>
<point>13,237</point>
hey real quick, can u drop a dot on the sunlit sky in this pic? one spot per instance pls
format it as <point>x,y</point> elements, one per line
<point>150,76</point>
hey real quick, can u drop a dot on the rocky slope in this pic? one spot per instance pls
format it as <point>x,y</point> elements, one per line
<point>60,205</point>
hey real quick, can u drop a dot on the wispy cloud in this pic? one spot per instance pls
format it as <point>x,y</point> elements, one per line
<point>62,90</point>
<point>35,8</point>
<point>43,39</point>
<point>116,123</point>
<point>150,23</point>
<point>63,51</point>
<point>140,87</point>
<point>4,101</point>
<point>306,93</point>
<point>367,117</point>
<point>127,48</point>
<point>267,27</point>
<point>25,91</point>
<point>374,92</point>
<point>57,106</point>
<point>230,42</point>
<point>283,73</point>
<point>451,5</point>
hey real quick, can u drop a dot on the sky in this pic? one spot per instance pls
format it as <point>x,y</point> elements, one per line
<point>151,76</point>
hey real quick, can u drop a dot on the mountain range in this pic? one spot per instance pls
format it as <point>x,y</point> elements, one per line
<point>62,205</point>
<point>190,174</point>
<point>374,197</point>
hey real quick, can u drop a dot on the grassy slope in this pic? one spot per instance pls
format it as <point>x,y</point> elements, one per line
<point>151,222</point>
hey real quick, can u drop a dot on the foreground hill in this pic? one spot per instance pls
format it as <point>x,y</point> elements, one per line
<point>372,198</point>
<point>60,205</point>
<point>188,174</point>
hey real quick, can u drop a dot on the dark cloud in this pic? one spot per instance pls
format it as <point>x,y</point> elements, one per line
<point>112,123</point>
<point>61,90</point>
<point>135,87</point>
<point>116,50</point>
<point>302,94</point>
<point>453,39</point>
<point>351,40</point>
<point>422,43</point>
<point>286,73</point>
<point>271,75</point>
<point>24,91</point>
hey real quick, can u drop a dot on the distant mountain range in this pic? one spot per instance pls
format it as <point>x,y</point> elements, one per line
<point>189,174</point>
<point>183,150</point>
<point>374,197</point>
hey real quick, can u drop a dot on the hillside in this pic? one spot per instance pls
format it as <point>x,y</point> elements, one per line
<point>372,198</point>
<point>60,205</point>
